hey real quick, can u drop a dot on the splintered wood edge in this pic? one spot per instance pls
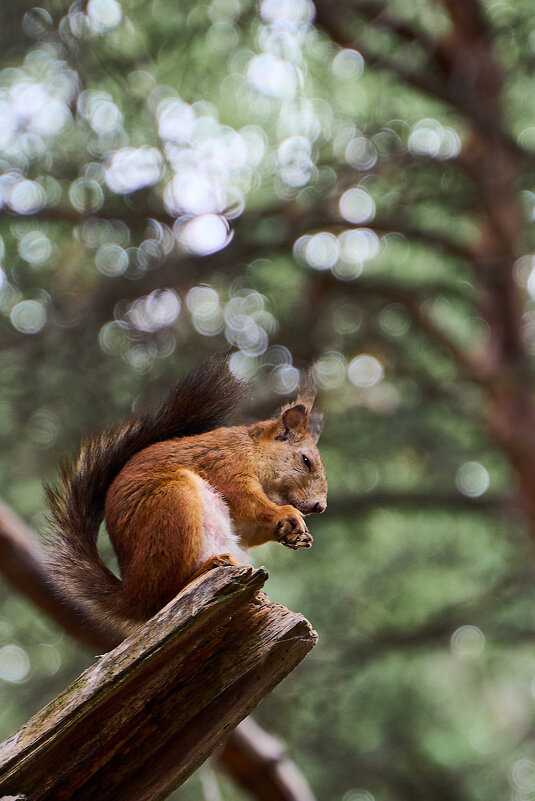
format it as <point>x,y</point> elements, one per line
<point>199,738</point>
<point>217,594</point>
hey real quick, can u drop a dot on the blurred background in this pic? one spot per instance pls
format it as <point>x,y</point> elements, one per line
<point>348,185</point>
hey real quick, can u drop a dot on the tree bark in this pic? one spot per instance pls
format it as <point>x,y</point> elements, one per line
<point>465,73</point>
<point>147,714</point>
<point>22,564</point>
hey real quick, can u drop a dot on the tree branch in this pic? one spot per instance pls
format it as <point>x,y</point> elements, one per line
<point>355,504</point>
<point>439,628</point>
<point>147,714</point>
<point>259,763</point>
<point>22,564</point>
<point>463,101</point>
<point>380,17</point>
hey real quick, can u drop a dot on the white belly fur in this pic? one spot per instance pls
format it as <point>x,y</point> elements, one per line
<point>217,531</point>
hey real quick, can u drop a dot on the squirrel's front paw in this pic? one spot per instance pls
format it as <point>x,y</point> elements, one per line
<point>292,532</point>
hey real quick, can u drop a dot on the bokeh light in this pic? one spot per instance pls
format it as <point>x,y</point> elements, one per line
<point>28,316</point>
<point>320,251</point>
<point>223,176</point>
<point>14,664</point>
<point>467,642</point>
<point>365,370</point>
<point>356,205</point>
<point>103,15</point>
<point>157,310</point>
<point>284,379</point>
<point>131,169</point>
<point>348,64</point>
<point>111,259</point>
<point>272,75</point>
<point>205,234</point>
<point>361,154</point>
<point>35,247</point>
<point>430,138</point>
<point>472,479</point>
<point>26,197</point>
<point>330,370</point>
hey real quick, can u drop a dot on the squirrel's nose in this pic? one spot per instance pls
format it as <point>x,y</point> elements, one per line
<point>320,507</point>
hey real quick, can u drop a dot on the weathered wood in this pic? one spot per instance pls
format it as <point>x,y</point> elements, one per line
<point>244,756</point>
<point>147,714</point>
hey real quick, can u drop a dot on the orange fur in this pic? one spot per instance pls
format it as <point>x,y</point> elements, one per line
<point>180,494</point>
<point>154,513</point>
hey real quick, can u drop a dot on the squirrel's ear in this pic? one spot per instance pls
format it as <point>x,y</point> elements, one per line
<point>293,421</point>
<point>315,425</point>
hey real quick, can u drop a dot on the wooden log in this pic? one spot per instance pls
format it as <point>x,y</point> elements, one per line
<point>245,756</point>
<point>147,714</point>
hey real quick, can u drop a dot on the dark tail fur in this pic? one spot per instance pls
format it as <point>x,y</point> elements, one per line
<point>200,402</point>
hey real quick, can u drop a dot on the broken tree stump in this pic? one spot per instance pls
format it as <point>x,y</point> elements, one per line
<point>147,714</point>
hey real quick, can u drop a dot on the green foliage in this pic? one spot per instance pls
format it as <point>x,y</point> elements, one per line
<point>332,207</point>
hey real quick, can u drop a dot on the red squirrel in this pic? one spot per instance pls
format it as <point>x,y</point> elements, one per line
<point>181,493</point>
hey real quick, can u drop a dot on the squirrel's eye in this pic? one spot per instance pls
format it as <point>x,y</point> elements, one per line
<point>306,460</point>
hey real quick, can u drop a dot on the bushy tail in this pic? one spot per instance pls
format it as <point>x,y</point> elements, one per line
<point>200,402</point>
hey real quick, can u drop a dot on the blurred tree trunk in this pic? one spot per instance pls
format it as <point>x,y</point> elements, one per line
<point>259,763</point>
<point>465,73</point>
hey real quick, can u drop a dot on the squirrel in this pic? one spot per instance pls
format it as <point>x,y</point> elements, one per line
<point>180,494</point>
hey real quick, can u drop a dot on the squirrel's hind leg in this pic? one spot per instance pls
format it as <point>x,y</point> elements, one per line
<point>221,560</point>
<point>168,546</point>
<point>181,528</point>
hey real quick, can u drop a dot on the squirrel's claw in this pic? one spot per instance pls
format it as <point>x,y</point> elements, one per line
<point>293,533</point>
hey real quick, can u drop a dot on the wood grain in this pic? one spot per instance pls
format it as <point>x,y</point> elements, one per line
<point>147,714</point>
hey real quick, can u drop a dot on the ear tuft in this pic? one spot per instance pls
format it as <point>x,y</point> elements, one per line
<point>307,389</point>
<point>315,425</point>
